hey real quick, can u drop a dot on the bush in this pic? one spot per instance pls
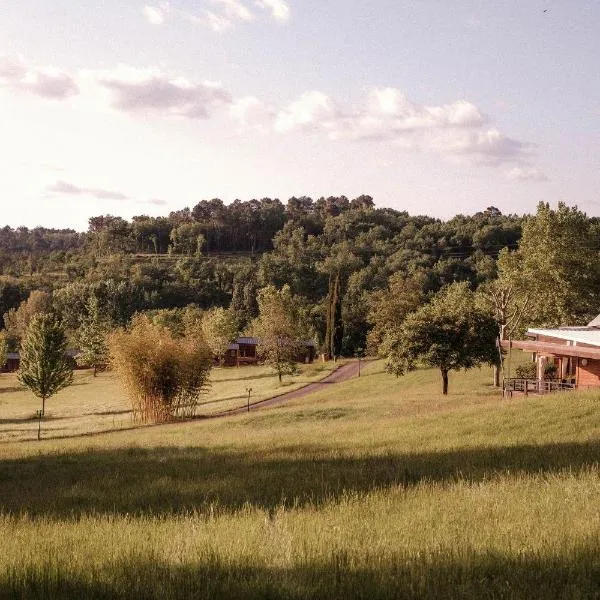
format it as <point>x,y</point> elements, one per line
<point>164,376</point>
<point>527,371</point>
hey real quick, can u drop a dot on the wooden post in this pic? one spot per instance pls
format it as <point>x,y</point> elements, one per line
<point>39,416</point>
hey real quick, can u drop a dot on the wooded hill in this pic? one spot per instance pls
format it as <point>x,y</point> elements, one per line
<point>334,253</point>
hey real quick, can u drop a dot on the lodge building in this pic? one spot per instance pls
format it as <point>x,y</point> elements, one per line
<point>570,354</point>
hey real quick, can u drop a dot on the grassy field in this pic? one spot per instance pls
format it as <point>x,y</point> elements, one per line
<point>373,488</point>
<point>98,404</point>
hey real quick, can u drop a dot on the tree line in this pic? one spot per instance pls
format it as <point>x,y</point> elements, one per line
<point>354,272</point>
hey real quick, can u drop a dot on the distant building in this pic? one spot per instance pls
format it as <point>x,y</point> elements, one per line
<point>13,361</point>
<point>243,352</point>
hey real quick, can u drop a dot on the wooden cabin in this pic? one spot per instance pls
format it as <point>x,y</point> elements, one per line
<point>566,358</point>
<point>13,361</point>
<point>243,352</point>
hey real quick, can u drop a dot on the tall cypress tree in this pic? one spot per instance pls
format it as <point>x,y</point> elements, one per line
<point>44,367</point>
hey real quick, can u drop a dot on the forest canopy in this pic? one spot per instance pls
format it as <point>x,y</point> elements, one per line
<point>341,259</point>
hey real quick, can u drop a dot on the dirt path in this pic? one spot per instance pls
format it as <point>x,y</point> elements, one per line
<point>343,373</point>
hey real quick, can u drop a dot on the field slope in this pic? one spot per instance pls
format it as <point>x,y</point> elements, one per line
<point>372,488</point>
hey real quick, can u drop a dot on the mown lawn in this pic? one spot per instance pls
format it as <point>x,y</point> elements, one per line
<point>98,404</point>
<point>374,488</point>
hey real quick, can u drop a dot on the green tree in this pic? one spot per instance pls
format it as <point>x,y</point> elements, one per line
<point>556,267</point>
<point>91,338</point>
<point>507,301</point>
<point>187,238</point>
<point>338,265</point>
<point>17,320</point>
<point>449,333</point>
<point>279,329</point>
<point>220,327</point>
<point>44,366</point>
<point>388,308</point>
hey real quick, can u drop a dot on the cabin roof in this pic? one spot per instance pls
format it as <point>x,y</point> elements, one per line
<point>595,322</point>
<point>254,341</point>
<point>583,335</point>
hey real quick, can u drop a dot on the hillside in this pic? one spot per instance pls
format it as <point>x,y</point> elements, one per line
<point>377,488</point>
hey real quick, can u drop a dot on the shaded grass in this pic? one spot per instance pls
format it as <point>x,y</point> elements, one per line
<point>167,480</point>
<point>372,488</point>
<point>436,577</point>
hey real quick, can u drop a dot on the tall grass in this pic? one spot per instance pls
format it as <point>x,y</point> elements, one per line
<point>375,488</point>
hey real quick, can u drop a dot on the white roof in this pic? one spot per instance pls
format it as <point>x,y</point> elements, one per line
<point>582,335</point>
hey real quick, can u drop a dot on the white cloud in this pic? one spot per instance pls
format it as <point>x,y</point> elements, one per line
<point>46,82</point>
<point>526,174</point>
<point>279,9</point>
<point>312,110</point>
<point>250,112</point>
<point>218,23</point>
<point>458,129</point>
<point>66,188</point>
<point>155,15</point>
<point>153,91</point>
<point>218,15</point>
<point>389,114</point>
<point>235,9</point>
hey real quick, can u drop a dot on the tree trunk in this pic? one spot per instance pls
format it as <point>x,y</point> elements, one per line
<point>43,406</point>
<point>445,382</point>
<point>496,376</point>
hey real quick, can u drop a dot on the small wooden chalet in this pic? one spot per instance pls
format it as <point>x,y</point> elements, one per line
<point>565,358</point>
<point>13,361</point>
<point>243,352</point>
<point>11,364</point>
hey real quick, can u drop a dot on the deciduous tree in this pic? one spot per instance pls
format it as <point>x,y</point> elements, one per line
<point>449,333</point>
<point>557,266</point>
<point>279,329</point>
<point>220,327</point>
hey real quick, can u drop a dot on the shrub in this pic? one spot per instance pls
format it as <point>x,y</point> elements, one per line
<point>527,371</point>
<point>164,376</point>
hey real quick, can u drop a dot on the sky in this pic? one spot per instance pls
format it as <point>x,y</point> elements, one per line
<point>434,107</point>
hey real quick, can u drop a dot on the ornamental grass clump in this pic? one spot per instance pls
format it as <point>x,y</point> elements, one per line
<point>164,376</point>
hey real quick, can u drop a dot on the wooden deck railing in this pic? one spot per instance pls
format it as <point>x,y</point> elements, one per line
<point>536,386</point>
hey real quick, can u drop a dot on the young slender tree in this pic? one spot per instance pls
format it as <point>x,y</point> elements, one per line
<point>44,366</point>
<point>278,327</point>
<point>449,333</point>
<point>91,338</point>
<point>220,327</point>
